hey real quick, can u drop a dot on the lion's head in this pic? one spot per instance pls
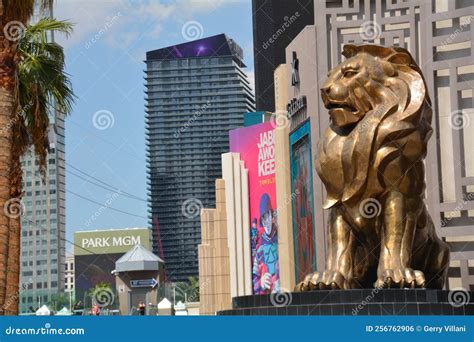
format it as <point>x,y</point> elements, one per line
<point>380,115</point>
<point>367,78</point>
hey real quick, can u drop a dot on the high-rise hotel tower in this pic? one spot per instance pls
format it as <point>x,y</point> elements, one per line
<point>196,92</point>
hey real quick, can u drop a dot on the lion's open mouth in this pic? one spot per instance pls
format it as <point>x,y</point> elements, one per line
<point>342,114</point>
<point>344,106</point>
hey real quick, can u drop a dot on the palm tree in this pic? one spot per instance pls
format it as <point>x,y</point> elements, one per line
<point>36,83</point>
<point>11,13</point>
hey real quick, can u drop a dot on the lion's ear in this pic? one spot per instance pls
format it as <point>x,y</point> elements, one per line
<point>350,50</point>
<point>400,58</point>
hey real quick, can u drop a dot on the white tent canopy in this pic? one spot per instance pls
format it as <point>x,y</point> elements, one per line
<point>164,304</point>
<point>180,309</point>
<point>64,312</point>
<point>43,311</point>
<point>180,306</point>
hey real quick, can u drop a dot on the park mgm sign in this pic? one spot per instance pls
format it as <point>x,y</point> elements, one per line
<point>110,241</point>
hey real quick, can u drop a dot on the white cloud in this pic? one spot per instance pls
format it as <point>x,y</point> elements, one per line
<point>88,16</point>
<point>156,31</point>
<point>206,5</point>
<point>93,18</point>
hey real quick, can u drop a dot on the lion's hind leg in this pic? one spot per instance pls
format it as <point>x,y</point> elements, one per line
<point>430,253</point>
<point>437,268</point>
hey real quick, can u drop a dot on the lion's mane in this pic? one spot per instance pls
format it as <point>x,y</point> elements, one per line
<point>379,137</point>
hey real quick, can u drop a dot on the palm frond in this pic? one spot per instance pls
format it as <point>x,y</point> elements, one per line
<point>38,31</point>
<point>43,84</point>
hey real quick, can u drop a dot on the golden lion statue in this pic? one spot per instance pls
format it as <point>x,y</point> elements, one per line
<point>370,160</point>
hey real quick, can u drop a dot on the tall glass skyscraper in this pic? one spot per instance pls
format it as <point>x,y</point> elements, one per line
<point>43,223</point>
<point>196,92</point>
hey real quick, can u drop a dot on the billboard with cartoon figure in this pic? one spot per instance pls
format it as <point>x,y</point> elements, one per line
<point>256,146</point>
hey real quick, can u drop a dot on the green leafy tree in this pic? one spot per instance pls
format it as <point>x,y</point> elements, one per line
<point>58,301</point>
<point>188,290</point>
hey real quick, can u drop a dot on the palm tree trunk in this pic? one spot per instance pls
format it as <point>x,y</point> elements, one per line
<point>13,262</point>
<point>10,12</point>
<point>13,275</point>
<point>6,110</point>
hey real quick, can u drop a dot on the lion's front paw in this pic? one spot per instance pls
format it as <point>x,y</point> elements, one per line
<point>401,278</point>
<point>323,280</point>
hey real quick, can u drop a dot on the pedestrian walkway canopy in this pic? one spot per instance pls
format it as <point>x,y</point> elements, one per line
<point>138,259</point>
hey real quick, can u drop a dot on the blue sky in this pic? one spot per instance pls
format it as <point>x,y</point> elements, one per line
<point>105,133</point>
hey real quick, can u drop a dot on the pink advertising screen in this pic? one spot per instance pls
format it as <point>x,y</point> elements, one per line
<point>256,146</point>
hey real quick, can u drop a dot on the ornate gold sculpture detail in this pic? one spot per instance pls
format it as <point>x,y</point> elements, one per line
<point>370,160</point>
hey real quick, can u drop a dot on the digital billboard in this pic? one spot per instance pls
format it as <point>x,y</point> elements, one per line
<point>302,206</point>
<point>89,270</point>
<point>256,146</point>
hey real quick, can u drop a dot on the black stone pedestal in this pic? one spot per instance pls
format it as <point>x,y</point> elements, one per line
<point>415,302</point>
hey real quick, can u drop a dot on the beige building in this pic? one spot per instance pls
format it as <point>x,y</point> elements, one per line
<point>235,176</point>
<point>283,182</point>
<point>225,268</point>
<point>214,262</point>
<point>295,83</point>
